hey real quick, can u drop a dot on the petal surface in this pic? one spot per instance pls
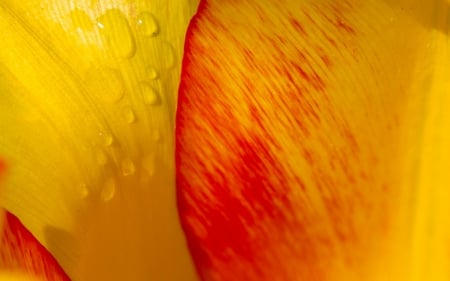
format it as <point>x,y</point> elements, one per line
<point>310,140</point>
<point>87,104</point>
<point>21,252</point>
<point>2,171</point>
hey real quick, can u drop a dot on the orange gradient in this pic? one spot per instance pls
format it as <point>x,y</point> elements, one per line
<point>299,134</point>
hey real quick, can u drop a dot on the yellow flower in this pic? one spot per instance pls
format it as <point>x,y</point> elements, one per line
<point>87,106</point>
<point>312,137</point>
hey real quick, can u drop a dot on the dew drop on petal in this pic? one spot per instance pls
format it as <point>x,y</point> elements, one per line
<point>116,33</point>
<point>83,191</point>
<point>148,164</point>
<point>127,166</point>
<point>156,135</point>
<point>149,95</point>
<point>100,157</point>
<point>147,24</point>
<point>106,138</point>
<point>152,73</point>
<point>128,115</point>
<point>106,84</point>
<point>109,189</point>
<point>168,55</point>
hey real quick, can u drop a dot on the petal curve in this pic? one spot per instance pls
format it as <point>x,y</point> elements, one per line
<point>88,93</point>
<point>299,138</point>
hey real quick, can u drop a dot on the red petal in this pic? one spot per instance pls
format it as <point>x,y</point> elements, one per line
<point>274,182</point>
<point>20,251</point>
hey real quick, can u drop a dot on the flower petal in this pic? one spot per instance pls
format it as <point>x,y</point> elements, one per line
<point>300,133</point>
<point>21,252</point>
<point>8,276</point>
<point>88,93</point>
<point>2,171</point>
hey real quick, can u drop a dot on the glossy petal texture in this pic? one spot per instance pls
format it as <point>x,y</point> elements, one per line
<point>87,104</point>
<point>312,140</point>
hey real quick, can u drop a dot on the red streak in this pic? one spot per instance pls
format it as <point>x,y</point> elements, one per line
<point>22,252</point>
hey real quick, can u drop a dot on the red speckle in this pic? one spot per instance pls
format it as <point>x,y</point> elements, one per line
<point>2,166</point>
<point>267,167</point>
<point>326,60</point>
<point>350,139</point>
<point>341,24</point>
<point>297,26</point>
<point>308,157</point>
<point>330,40</point>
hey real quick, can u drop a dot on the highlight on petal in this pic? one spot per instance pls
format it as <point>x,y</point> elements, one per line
<point>308,137</point>
<point>87,103</point>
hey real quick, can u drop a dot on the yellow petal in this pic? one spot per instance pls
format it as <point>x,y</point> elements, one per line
<point>8,276</point>
<point>431,181</point>
<point>88,93</point>
<point>425,204</point>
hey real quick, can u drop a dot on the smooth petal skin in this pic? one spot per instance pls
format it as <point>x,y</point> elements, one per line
<point>87,105</point>
<point>16,277</point>
<point>312,140</point>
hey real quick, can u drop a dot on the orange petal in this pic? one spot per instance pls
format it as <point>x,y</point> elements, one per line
<point>297,128</point>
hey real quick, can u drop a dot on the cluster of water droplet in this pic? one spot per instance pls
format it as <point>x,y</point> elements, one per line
<point>134,59</point>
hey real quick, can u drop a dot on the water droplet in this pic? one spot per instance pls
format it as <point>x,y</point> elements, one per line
<point>109,189</point>
<point>100,157</point>
<point>107,138</point>
<point>152,73</point>
<point>128,115</point>
<point>83,191</point>
<point>81,20</point>
<point>148,24</point>
<point>149,94</point>
<point>106,84</point>
<point>148,164</point>
<point>114,27</point>
<point>127,167</point>
<point>168,55</point>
